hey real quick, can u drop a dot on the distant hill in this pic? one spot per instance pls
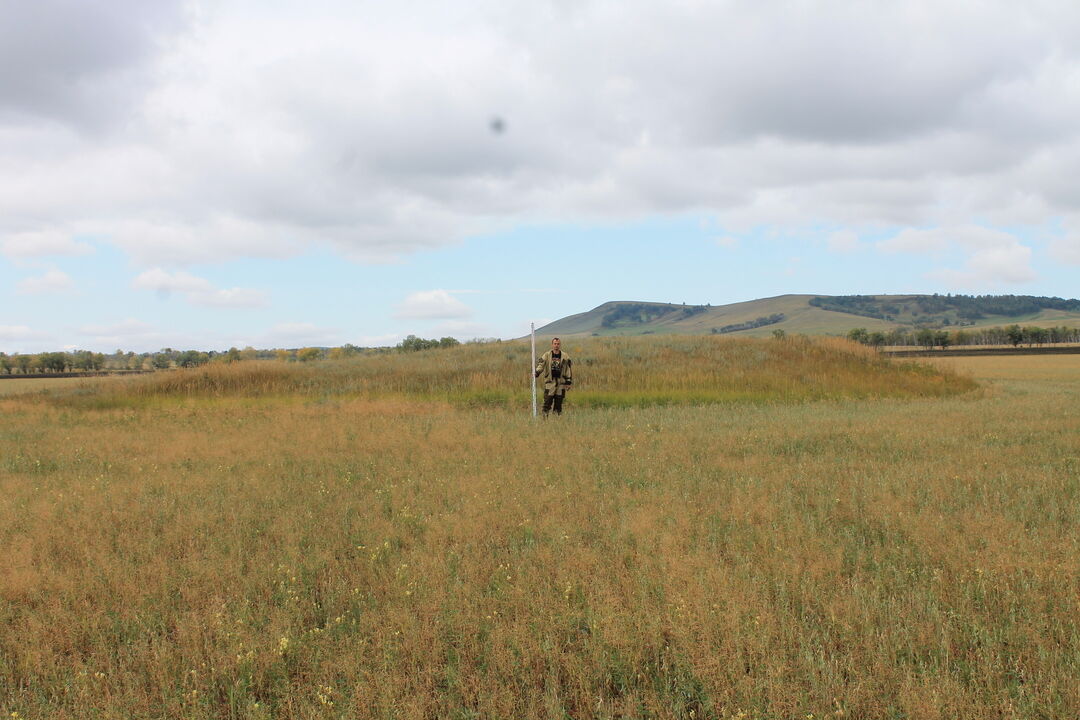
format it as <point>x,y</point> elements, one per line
<point>818,315</point>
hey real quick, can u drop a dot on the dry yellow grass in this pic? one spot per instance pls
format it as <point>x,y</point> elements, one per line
<point>1038,369</point>
<point>21,386</point>
<point>327,554</point>
<point>612,372</point>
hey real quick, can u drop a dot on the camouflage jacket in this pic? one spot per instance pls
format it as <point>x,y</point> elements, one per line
<point>544,372</point>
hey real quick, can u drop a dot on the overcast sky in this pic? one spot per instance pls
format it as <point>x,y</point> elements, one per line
<point>275,173</point>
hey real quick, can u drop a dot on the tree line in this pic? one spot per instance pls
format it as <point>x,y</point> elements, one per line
<point>634,314</point>
<point>51,363</point>
<point>750,324</point>
<point>946,309</point>
<point>1014,335</point>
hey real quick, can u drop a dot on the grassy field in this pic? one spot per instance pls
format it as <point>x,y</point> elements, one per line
<point>849,537</point>
<point>21,386</point>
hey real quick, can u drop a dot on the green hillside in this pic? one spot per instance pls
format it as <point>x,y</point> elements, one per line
<point>817,315</point>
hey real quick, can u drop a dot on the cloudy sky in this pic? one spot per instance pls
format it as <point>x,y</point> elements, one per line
<point>209,173</point>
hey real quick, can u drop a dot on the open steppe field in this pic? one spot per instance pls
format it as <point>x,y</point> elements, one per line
<point>21,386</point>
<point>716,528</point>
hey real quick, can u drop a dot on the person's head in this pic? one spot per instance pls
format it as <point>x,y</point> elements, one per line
<point>555,344</point>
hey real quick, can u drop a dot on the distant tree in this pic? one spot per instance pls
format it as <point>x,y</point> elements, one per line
<point>1062,334</point>
<point>308,354</point>
<point>926,338</point>
<point>876,339</point>
<point>1015,334</point>
<point>161,361</point>
<point>412,344</point>
<point>232,356</point>
<point>897,336</point>
<point>23,362</point>
<point>6,364</point>
<point>751,324</point>
<point>778,334</point>
<point>56,362</point>
<point>283,355</point>
<point>859,335</point>
<point>448,342</point>
<point>191,358</point>
<point>82,360</point>
<point>1035,335</point>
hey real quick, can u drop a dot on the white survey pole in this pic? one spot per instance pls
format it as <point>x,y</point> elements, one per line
<point>532,368</point>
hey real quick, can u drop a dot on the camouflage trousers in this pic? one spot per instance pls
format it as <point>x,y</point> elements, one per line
<point>553,399</point>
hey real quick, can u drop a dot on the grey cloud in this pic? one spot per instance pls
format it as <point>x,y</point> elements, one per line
<point>277,127</point>
<point>74,61</point>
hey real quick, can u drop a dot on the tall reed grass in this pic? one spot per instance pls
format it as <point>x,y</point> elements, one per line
<point>617,372</point>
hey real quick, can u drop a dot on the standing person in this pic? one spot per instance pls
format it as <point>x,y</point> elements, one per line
<point>555,368</point>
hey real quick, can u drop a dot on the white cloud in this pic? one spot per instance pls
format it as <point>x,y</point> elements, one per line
<point>295,334</point>
<point>843,241</point>
<point>232,297</point>
<point>912,240</point>
<point>992,267</point>
<point>193,133</point>
<point>388,340</point>
<point>24,339</point>
<point>1066,248</point>
<point>197,290</point>
<point>39,244</point>
<point>727,241</point>
<point>186,241</point>
<point>19,332</point>
<point>432,305</point>
<point>163,282</point>
<point>53,281</point>
<point>129,333</point>
<point>994,257</point>
<point>462,330</point>
<point>125,328</point>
